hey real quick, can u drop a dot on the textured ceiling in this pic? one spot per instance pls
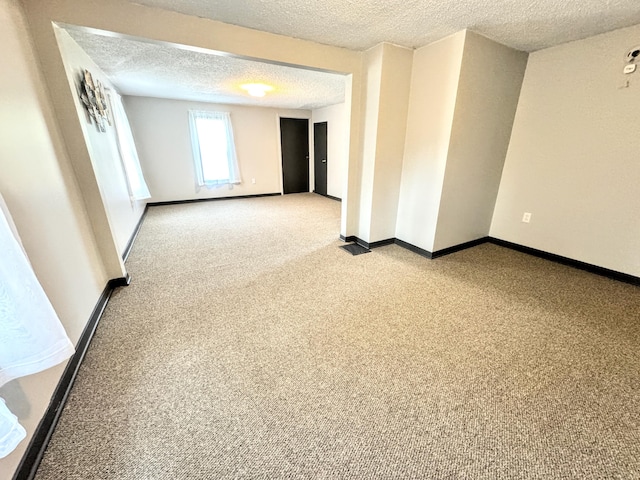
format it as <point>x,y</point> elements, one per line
<point>139,67</point>
<point>360,24</point>
<point>143,68</point>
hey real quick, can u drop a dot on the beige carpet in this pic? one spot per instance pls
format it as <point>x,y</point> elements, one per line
<point>250,346</point>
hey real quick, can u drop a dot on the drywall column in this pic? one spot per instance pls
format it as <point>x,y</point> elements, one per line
<point>392,126</point>
<point>371,107</point>
<point>464,93</point>
<point>350,212</point>
<point>488,90</point>
<point>387,99</point>
<point>573,157</point>
<point>434,85</point>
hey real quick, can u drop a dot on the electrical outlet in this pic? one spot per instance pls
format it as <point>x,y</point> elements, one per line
<point>253,180</point>
<point>526,218</point>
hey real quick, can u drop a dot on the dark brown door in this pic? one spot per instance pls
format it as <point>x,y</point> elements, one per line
<point>320,157</point>
<point>294,138</point>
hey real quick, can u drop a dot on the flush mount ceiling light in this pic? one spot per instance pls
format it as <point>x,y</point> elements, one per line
<point>256,89</point>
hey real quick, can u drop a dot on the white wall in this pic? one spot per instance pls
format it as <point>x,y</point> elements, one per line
<point>392,123</point>
<point>371,103</point>
<point>388,75</point>
<point>434,85</point>
<point>40,189</point>
<point>488,90</point>
<point>337,118</point>
<point>573,157</point>
<point>122,212</point>
<point>350,206</point>
<point>161,131</point>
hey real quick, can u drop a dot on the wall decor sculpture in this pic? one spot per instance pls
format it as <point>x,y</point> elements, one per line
<point>93,98</point>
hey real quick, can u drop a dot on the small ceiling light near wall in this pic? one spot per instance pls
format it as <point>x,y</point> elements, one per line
<point>256,89</point>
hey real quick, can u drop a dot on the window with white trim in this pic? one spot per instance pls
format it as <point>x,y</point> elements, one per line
<point>214,151</point>
<point>138,189</point>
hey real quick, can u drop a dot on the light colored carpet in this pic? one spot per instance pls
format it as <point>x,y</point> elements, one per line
<point>250,346</point>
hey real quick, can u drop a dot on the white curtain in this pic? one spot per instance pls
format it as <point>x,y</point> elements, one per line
<point>138,189</point>
<point>11,432</point>
<point>214,150</point>
<point>32,338</point>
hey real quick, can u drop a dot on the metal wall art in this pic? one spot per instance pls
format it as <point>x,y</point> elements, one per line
<point>93,98</point>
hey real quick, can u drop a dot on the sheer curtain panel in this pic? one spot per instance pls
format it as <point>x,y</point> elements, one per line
<point>138,189</point>
<point>32,338</point>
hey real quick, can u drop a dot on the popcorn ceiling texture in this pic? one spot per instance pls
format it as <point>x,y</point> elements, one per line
<point>527,25</point>
<point>146,69</point>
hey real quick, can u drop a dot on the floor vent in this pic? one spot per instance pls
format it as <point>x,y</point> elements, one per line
<point>355,249</point>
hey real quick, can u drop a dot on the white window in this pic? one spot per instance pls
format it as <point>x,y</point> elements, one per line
<point>138,189</point>
<point>214,152</point>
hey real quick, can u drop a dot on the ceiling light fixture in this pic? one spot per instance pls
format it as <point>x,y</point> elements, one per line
<point>256,89</point>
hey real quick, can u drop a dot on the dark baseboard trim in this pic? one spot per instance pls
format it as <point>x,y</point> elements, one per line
<point>457,248</point>
<point>328,196</point>
<point>359,241</point>
<point>414,249</point>
<point>134,235</point>
<point>35,451</point>
<point>119,282</point>
<point>605,272</point>
<point>444,251</point>
<point>349,239</point>
<point>196,200</point>
<point>379,243</point>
